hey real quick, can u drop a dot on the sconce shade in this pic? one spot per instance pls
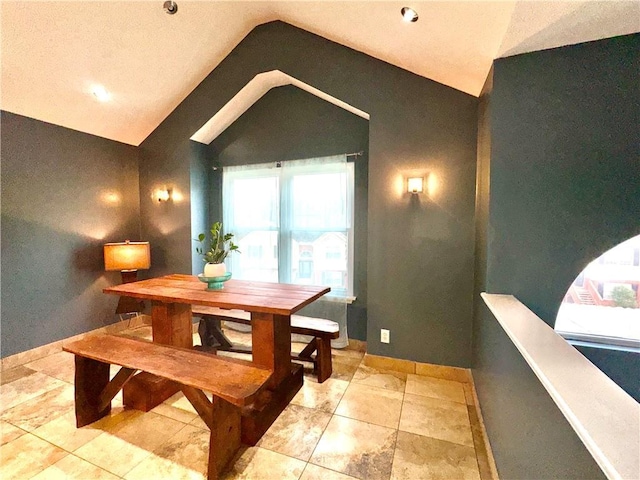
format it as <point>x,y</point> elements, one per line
<point>415,185</point>
<point>127,255</point>
<point>163,195</point>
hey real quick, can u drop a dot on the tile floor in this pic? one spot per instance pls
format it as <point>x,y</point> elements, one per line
<point>362,423</point>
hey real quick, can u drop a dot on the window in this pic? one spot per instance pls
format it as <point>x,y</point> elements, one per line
<point>301,213</point>
<point>601,306</point>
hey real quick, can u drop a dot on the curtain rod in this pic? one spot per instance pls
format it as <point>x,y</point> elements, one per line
<point>278,162</point>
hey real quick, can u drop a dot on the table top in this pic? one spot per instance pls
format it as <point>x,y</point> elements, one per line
<point>265,297</point>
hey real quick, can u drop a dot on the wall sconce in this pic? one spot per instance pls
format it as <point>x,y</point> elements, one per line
<point>163,195</point>
<point>128,257</point>
<point>415,185</point>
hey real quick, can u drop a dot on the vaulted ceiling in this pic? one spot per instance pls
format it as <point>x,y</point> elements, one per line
<point>54,53</point>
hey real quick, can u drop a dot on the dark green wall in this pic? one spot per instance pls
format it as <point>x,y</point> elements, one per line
<point>200,192</point>
<point>289,123</point>
<point>564,180</point>
<point>420,252</point>
<point>621,366</point>
<point>565,167</point>
<point>529,436</point>
<point>64,194</point>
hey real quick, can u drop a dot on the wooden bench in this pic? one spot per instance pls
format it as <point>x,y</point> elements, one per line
<point>322,331</point>
<point>233,384</point>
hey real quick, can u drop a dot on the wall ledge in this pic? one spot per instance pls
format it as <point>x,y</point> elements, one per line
<point>604,416</point>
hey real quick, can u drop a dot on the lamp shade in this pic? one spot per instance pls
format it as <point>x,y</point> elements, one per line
<point>415,185</point>
<point>127,256</point>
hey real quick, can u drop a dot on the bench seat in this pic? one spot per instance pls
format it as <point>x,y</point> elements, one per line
<point>322,331</point>
<point>233,384</point>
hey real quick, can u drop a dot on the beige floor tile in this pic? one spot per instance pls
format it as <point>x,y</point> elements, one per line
<point>63,433</point>
<point>184,455</point>
<point>112,454</point>
<point>257,463</point>
<point>296,432</point>
<point>130,440</point>
<point>323,396</point>
<point>199,423</point>
<point>147,431</point>
<point>297,347</point>
<point>12,374</point>
<point>142,332</point>
<point>417,457</point>
<point>435,388</point>
<point>37,411</point>
<point>343,353</point>
<point>344,369</point>
<point>356,448</point>
<point>26,388</point>
<point>27,456</point>
<point>9,432</point>
<point>240,338</point>
<point>377,377</point>
<point>178,408</point>
<point>314,472</point>
<point>60,365</point>
<point>74,468</point>
<point>371,404</point>
<point>432,417</point>
<point>116,419</point>
<point>156,468</point>
<point>436,439</point>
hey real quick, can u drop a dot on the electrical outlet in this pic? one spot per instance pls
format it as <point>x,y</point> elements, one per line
<point>384,335</point>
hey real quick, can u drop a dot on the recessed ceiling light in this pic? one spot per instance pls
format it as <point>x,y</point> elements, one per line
<point>170,7</point>
<point>100,93</point>
<point>409,15</point>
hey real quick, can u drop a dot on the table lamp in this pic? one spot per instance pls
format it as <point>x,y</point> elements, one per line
<point>128,257</point>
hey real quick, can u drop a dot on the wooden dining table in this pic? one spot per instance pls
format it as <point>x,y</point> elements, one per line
<point>271,306</point>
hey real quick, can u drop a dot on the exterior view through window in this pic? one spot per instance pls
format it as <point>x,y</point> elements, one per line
<point>602,304</point>
<point>292,221</point>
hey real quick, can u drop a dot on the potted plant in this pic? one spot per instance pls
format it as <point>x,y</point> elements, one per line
<point>216,250</point>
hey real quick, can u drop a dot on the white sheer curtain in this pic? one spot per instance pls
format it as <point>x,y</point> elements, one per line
<point>293,223</point>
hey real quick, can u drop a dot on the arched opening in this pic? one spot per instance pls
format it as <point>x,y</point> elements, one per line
<point>602,305</point>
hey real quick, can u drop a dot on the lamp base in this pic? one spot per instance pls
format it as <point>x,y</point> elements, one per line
<point>129,304</point>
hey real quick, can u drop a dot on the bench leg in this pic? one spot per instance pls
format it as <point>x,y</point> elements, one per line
<point>323,359</point>
<point>211,334</point>
<point>225,437</point>
<point>91,378</point>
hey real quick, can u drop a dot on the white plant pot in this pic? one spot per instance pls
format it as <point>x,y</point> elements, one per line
<point>214,270</point>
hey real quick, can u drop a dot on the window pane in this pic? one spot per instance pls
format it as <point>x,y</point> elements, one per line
<point>292,223</point>
<point>255,203</point>
<point>319,201</point>
<point>320,258</point>
<point>602,303</point>
<point>258,259</point>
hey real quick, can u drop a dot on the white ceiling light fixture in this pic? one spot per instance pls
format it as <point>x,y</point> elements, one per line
<point>409,15</point>
<point>170,7</point>
<point>100,93</point>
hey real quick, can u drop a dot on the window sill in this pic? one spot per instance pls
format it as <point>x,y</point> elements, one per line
<point>339,299</point>
<point>604,417</point>
<point>600,341</point>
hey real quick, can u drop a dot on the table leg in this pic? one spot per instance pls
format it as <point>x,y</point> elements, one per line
<point>271,339</point>
<point>171,325</point>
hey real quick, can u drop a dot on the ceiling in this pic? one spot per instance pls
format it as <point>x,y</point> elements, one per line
<point>52,53</point>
